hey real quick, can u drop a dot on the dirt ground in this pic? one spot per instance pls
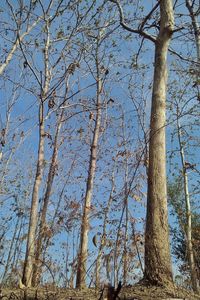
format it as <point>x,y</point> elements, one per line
<point>137,292</point>
<point>141,292</point>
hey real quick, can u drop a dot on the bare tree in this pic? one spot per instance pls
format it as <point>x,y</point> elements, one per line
<point>42,222</point>
<point>30,248</point>
<point>52,80</point>
<point>157,250</point>
<point>190,250</point>
<point>82,259</point>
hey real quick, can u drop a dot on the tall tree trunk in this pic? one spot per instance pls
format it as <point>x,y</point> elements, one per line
<point>157,248</point>
<point>190,249</point>
<point>47,238</point>
<point>126,194</point>
<point>30,249</point>
<point>82,259</point>
<point>42,224</point>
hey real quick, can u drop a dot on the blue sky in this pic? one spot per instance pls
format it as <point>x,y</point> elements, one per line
<point>125,83</point>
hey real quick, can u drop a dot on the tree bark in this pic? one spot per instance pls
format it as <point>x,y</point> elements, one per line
<point>30,248</point>
<point>82,259</point>
<point>42,224</point>
<point>157,248</point>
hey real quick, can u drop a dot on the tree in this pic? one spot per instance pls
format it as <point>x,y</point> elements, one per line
<point>188,212</point>
<point>30,248</point>
<point>157,249</point>
<point>47,94</point>
<point>184,106</point>
<point>82,259</point>
<point>185,244</point>
<point>42,221</point>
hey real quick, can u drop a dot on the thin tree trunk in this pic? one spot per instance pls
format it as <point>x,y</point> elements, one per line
<point>103,238</point>
<point>30,249</point>
<point>46,239</point>
<point>18,246</point>
<point>157,249</point>
<point>82,259</point>
<point>196,28</point>
<point>126,191</point>
<point>116,253</point>
<point>190,250</point>
<point>10,250</point>
<point>42,224</point>
<point>125,256</point>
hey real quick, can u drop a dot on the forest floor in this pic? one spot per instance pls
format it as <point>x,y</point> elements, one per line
<point>137,292</point>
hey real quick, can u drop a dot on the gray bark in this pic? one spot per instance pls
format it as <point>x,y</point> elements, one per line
<point>30,248</point>
<point>42,224</point>
<point>157,248</point>
<point>82,259</point>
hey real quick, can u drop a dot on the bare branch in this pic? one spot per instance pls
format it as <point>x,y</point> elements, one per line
<point>182,57</point>
<point>27,62</point>
<point>195,26</point>
<point>15,45</point>
<point>149,15</point>
<point>125,26</point>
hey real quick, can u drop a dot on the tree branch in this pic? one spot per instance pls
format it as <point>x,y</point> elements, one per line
<point>15,45</point>
<point>149,15</point>
<point>125,26</point>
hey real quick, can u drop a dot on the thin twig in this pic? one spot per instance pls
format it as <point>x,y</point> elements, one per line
<point>125,26</point>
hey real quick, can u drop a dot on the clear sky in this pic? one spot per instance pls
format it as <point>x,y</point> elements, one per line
<point>128,83</point>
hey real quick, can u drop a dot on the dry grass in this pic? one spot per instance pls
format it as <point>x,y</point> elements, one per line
<point>137,292</point>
